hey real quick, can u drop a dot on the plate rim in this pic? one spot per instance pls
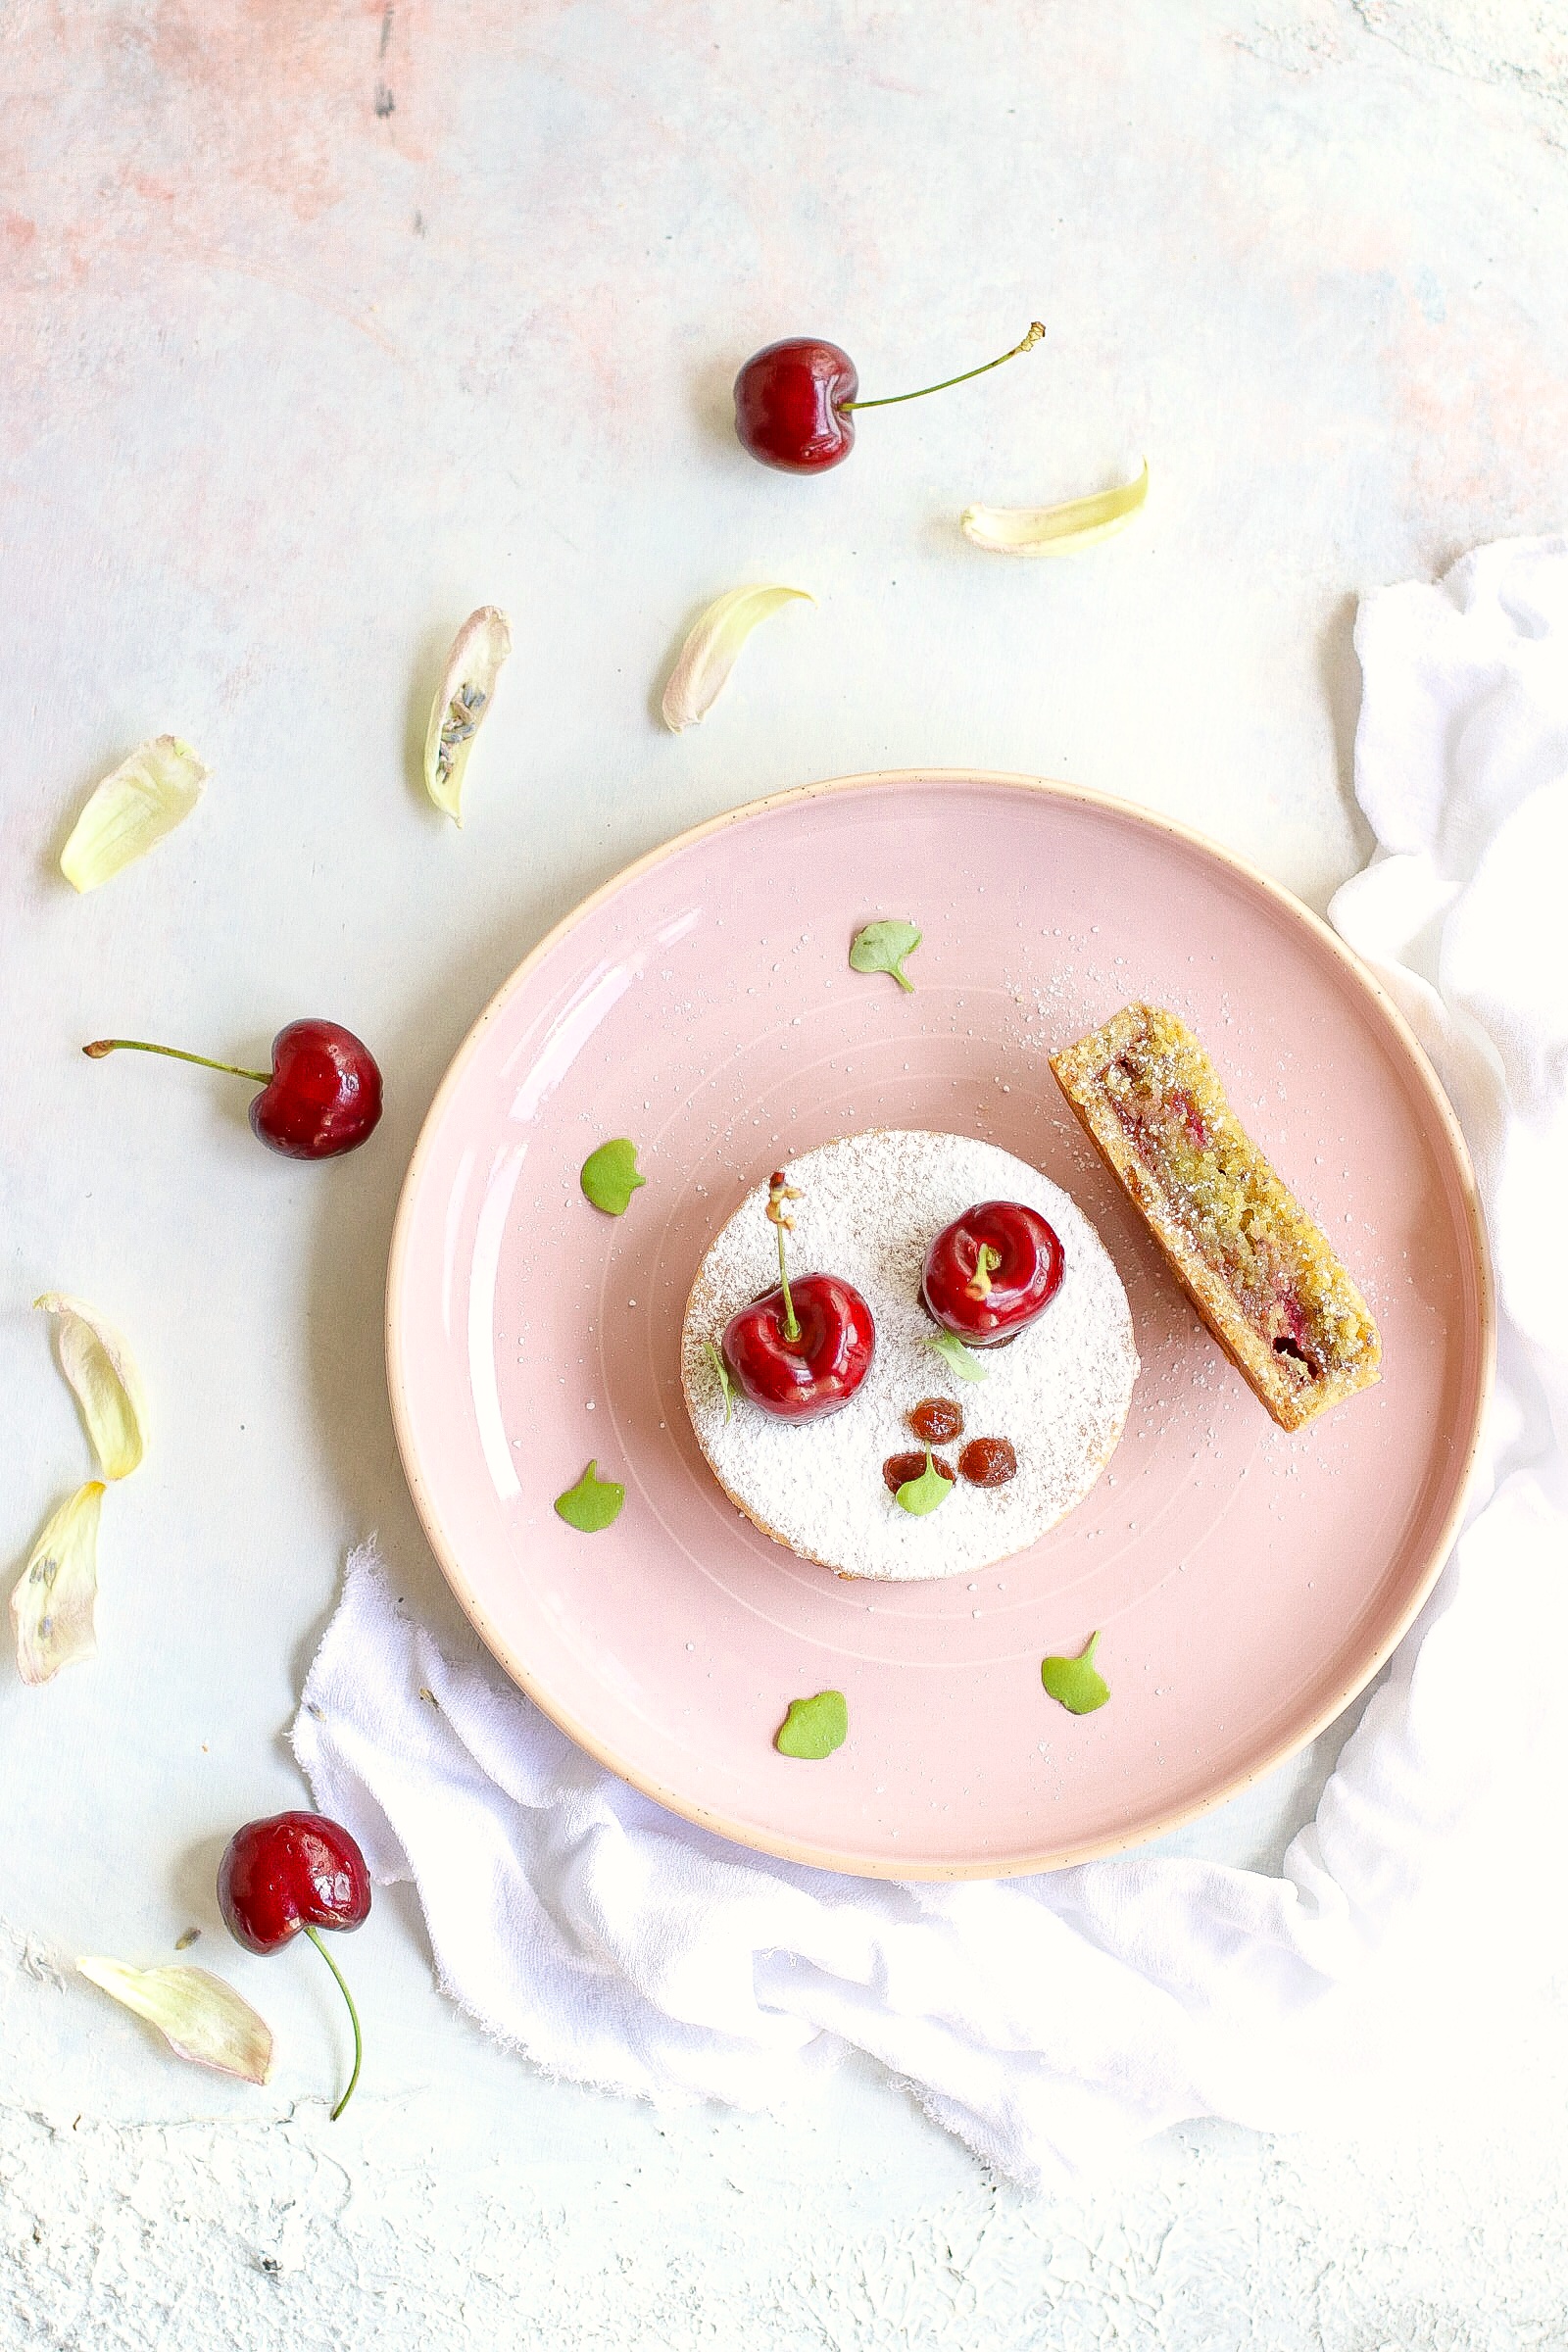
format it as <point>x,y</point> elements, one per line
<point>801,1850</point>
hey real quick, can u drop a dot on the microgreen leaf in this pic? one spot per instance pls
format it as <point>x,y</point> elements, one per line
<point>1075,1683</point>
<point>461,705</point>
<point>593,1503</point>
<point>1056,530</point>
<point>723,1370</point>
<point>711,648</point>
<point>53,1599</point>
<point>813,1727</point>
<point>198,2015</point>
<point>97,1363</point>
<point>610,1176</point>
<point>955,1356</point>
<point>921,1496</point>
<point>144,797</point>
<point>882,947</point>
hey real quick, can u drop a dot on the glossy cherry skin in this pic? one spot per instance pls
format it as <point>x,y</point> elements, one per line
<point>292,1871</point>
<point>788,405</point>
<point>325,1094</point>
<point>804,1379</point>
<point>1023,1281</point>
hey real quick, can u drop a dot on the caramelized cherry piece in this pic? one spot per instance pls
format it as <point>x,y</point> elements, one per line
<point>989,1461</point>
<point>899,1468</point>
<point>936,1419</point>
<point>992,1271</point>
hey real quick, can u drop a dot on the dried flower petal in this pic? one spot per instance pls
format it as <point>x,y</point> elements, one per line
<point>52,1599</point>
<point>146,796</point>
<point>461,705</point>
<point>95,1360</point>
<point>1056,530</point>
<point>198,2015</point>
<point>709,652</point>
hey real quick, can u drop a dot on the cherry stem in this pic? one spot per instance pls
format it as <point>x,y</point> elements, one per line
<point>353,2016</point>
<point>986,1261</point>
<point>136,1044</point>
<point>1036,331</point>
<point>792,1329</point>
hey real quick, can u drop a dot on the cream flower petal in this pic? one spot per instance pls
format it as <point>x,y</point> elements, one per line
<point>709,652</point>
<point>95,1360</point>
<point>1056,530</point>
<point>144,797</point>
<point>198,2015</point>
<point>462,704</point>
<point>52,1599</point>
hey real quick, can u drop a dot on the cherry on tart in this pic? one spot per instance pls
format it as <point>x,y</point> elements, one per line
<point>799,1351</point>
<point>991,1272</point>
<point>321,1097</point>
<point>795,404</point>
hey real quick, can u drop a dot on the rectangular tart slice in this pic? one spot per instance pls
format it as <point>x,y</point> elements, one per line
<point>1258,1271</point>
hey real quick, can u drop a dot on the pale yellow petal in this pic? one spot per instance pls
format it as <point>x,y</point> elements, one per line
<point>461,705</point>
<point>1057,530</point>
<point>52,1599</point>
<point>709,652</point>
<point>97,1363</point>
<point>198,2015</point>
<point>146,796</point>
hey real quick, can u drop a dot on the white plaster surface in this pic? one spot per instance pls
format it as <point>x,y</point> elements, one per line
<point>320,324</point>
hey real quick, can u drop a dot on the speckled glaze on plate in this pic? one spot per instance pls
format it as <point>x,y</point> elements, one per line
<point>1246,1584</point>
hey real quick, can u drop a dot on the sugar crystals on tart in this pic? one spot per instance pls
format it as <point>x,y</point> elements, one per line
<point>928,1237</point>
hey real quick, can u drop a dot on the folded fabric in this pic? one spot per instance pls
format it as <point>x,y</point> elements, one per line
<point>1047,2020</point>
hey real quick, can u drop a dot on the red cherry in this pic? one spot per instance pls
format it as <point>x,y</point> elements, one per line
<point>992,1271</point>
<point>321,1097</point>
<point>789,407</point>
<point>795,401</point>
<point>325,1094</point>
<point>293,1871</point>
<point>292,1874</point>
<point>814,1374</point>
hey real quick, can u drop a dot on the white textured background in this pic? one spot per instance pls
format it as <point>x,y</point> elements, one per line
<point>320,324</point>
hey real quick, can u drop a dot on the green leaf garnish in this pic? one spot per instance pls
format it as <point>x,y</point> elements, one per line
<point>610,1176</point>
<point>882,947</point>
<point>813,1727</point>
<point>955,1356</point>
<point>592,1503</point>
<point>1074,1683</point>
<point>921,1494</point>
<point>723,1369</point>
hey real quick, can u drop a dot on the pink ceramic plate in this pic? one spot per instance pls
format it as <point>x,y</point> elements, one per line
<point>1246,1584</point>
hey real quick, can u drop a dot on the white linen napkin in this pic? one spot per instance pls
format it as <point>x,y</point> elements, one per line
<point>1047,2020</point>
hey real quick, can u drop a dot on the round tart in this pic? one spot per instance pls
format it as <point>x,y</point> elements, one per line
<point>869,1208</point>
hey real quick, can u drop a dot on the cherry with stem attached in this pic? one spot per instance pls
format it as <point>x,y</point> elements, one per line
<point>801,1351</point>
<point>293,1874</point>
<point>795,404</point>
<point>322,1095</point>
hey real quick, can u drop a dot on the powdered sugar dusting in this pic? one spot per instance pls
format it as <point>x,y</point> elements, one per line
<point>871,1205</point>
